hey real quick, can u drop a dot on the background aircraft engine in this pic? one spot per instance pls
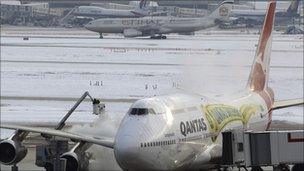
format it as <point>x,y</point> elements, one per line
<point>132,33</point>
<point>11,152</point>
<point>77,159</point>
<point>75,162</point>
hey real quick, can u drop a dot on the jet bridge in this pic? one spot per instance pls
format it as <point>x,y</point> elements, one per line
<point>268,148</point>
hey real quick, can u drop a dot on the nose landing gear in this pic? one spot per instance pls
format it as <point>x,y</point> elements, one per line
<point>100,36</point>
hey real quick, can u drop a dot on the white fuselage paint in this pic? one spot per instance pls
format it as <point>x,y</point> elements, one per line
<point>100,12</point>
<point>158,141</point>
<point>151,25</point>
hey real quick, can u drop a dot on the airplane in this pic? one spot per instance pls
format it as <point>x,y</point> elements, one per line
<point>157,26</point>
<point>92,12</point>
<point>176,131</point>
<point>257,16</point>
<point>100,12</point>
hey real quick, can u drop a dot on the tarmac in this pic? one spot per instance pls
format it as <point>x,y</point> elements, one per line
<point>28,163</point>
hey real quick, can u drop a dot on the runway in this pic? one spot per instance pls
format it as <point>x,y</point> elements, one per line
<point>126,63</point>
<point>41,78</point>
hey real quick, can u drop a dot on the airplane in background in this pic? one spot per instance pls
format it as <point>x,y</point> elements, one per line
<point>95,12</point>
<point>175,131</point>
<point>157,26</point>
<point>257,16</point>
<point>100,12</point>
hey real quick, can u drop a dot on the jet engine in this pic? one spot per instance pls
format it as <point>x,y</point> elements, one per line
<point>77,159</point>
<point>186,33</point>
<point>132,33</point>
<point>11,151</point>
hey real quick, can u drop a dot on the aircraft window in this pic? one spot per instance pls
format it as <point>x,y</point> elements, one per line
<point>151,111</point>
<point>133,111</point>
<point>141,111</point>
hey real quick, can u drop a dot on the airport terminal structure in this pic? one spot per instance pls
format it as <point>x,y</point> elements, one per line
<point>152,85</point>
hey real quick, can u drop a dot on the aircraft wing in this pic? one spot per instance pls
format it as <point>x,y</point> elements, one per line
<point>287,103</point>
<point>106,142</point>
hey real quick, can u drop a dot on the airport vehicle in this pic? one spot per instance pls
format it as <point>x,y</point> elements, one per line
<point>157,26</point>
<point>253,17</point>
<point>177,131</point>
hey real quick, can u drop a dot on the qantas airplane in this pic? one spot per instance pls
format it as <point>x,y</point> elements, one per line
<point>176,131</point>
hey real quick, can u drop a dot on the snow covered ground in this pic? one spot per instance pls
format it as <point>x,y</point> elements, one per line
<point>50,70</point>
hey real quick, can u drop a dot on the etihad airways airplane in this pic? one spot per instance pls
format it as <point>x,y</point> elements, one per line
<point>176,131</point>
<point>157,26</point>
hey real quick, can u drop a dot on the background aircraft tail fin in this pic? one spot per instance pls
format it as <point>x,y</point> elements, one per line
<point>258,78</point>
<point>141,10</point>
<point>222,11</point>
<point>142,4</point>
<point>293,8</point>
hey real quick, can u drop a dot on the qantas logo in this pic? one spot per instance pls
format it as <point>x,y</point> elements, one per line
<point>223,11</point>
<point>188,127</point>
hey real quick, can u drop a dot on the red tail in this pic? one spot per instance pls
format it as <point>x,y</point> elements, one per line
<point>258,79</point>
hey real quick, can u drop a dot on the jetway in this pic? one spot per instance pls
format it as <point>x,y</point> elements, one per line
<point>267,148</point>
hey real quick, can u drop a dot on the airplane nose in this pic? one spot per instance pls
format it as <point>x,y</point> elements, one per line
<point>126,151</point>
<point>87,26</point>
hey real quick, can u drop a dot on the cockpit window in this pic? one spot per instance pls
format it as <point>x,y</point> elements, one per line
<point>151,111</point>
<point>141,111</point>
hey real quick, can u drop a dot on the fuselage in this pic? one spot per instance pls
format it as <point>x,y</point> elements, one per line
<point>99,12</point>
<point>176,131</point>
<point>157,25</point>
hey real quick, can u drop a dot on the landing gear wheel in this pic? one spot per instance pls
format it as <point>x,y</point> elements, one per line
<point>281,167</point>
<point>298,167</point>
<point>49,167</point>
<point>163,37</point>
<point>100,36</point>
<point>256,168</point>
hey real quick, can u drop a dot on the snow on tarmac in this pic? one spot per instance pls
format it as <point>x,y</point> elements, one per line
<point>54,68</point>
